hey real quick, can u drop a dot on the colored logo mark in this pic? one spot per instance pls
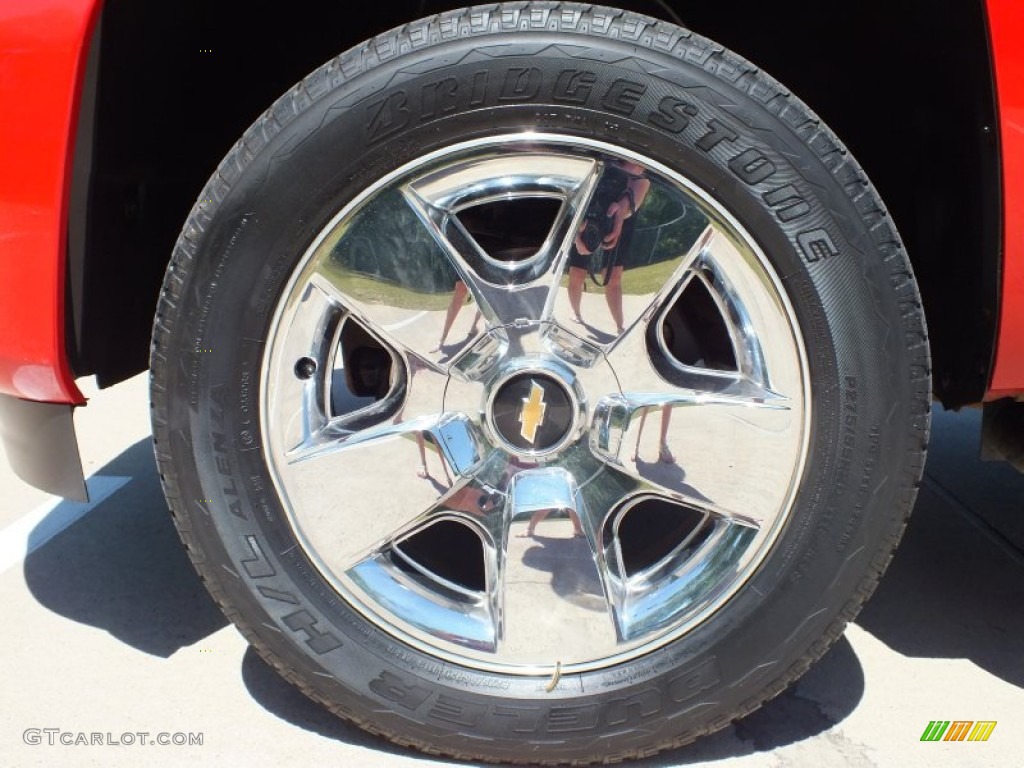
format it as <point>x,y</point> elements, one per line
<point>958,730</point>
<point>532,414</point>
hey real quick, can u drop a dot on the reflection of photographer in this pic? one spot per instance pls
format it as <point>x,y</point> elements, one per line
<point>605,235</point>
<point>596,227</point>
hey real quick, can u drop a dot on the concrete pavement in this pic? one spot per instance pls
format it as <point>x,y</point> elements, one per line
<point>108,630</point>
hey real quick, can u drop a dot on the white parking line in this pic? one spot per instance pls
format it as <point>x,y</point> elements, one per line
<point>30,532</point>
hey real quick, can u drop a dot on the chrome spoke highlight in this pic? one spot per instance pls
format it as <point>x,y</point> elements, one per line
<point>727,436</point>
<point>705,447</point>
<point>759,335</point>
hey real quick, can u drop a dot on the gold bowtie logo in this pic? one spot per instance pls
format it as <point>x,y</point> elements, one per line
<point>531,417</point>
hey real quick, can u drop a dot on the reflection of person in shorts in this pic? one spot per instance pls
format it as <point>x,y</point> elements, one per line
<point>608,225</point>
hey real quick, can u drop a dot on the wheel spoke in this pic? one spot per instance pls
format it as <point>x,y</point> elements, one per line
<point>507,292</point>
<point>724,452</point>
<point>419,596</point>
<point>349,511</point>
<point>393,275</point>
<point>299,404</point>
<point>688,569</point>
<point>429,602</point>
<point>759,338</point>
<point>312,406</point>
<point>726,439</point>
<point>413,327</point>
<point>549,584</point>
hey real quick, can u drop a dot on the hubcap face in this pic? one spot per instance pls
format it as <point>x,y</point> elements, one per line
<point>524,445</point>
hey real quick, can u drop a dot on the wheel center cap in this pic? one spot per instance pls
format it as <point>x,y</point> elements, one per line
<point>532,412</point>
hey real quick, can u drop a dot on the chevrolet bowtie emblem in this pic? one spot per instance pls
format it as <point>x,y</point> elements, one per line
<point>532,415</point>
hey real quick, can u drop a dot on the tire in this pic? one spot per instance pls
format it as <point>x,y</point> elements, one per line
<point>786,314</point>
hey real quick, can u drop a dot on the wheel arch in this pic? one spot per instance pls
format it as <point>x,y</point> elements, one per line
<point>175,84</point>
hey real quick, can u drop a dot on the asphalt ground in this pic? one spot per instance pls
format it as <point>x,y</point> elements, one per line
<point>108,631</point>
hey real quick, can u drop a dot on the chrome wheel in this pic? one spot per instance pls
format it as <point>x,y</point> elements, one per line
<point>509,472</point>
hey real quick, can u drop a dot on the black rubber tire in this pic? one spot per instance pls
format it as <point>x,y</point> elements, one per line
<point>675,97</point>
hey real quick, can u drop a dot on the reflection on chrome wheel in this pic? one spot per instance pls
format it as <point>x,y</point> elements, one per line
<point>540,383</point>
<point>622,468</point>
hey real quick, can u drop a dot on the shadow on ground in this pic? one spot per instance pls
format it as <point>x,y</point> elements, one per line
<point>954,590</point>
<point>123,569</point>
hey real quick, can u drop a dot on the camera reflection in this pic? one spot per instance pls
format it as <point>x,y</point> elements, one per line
<point>605,236</point>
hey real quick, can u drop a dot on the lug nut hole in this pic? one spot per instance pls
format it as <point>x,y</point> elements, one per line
<point>305,368</point>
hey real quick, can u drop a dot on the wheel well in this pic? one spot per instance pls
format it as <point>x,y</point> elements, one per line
<point>176,83</point>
